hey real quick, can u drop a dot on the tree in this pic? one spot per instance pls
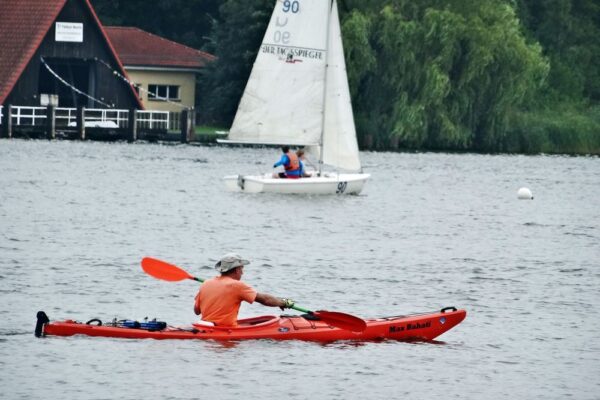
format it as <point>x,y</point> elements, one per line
<point>236,37</point>
<point>427,74</point>
<point>568,31</point>
<point>446,75</point>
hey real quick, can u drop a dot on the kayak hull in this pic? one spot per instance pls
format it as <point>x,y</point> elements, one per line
<point>286,327</point>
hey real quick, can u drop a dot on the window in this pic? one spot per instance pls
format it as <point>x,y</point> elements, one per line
<point>163,92</point>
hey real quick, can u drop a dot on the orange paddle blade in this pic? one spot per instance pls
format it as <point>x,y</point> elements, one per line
<point>342,320</point>
<point>163,270</point>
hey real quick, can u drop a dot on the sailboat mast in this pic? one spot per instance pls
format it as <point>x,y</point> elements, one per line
<point>331,2</point>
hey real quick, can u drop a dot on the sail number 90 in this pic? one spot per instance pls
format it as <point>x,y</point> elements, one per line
<point>292,6</point>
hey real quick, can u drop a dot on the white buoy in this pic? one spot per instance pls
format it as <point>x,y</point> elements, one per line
<point>524,194</point>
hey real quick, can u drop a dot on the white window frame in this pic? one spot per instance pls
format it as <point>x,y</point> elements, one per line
<point>153,89</point>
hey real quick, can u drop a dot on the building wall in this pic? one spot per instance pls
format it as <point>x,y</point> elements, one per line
<point>185,80</point>
<point>102,83</point>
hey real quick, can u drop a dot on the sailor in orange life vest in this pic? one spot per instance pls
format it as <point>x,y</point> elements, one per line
<point>219,298</point>
<point>290,162</point>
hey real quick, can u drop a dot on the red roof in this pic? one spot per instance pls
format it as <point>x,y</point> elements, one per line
<point>23,26</point>
<point>140,48</point>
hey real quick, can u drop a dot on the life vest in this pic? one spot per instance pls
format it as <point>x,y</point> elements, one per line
<point>294,164</point>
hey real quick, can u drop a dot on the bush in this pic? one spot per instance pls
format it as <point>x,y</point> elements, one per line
<point>555,131</point>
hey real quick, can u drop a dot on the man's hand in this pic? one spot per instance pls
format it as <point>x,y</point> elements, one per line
<point>287,303</point>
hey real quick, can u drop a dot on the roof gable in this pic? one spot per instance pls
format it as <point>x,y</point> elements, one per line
<point>23,26</point>
<point>140,48</point>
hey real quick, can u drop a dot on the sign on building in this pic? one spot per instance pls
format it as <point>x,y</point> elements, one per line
<point>69,32</point>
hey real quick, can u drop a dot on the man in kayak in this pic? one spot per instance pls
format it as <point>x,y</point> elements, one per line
<point>219,298</point>
<point>290,163</point>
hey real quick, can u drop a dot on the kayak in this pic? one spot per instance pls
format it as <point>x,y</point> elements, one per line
<point>307,327</point>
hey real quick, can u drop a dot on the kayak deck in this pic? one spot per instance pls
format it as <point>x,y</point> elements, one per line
<point>426,326</point>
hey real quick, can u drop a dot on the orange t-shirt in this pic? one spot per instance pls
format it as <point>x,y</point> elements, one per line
<point>219,299</point>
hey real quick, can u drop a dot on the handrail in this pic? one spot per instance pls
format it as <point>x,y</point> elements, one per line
<point>153,119</point>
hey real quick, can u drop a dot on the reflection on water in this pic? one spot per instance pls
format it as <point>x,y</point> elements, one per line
<point>428,231</point>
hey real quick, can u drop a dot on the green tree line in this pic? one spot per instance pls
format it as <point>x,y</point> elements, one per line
<point>450,75</point>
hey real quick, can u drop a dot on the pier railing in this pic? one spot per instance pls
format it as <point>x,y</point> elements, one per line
<point>69,122</point>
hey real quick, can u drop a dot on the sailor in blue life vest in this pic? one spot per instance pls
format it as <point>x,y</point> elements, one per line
<point>301,159</point>
<point>291,164</point>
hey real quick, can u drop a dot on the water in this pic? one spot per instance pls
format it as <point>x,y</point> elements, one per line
<point>428,231</point>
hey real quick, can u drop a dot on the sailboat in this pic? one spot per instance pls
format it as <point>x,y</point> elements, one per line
<point>298,95</point>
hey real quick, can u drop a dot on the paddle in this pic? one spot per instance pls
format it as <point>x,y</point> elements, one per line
<point>165,271</point>
<point>172,273</point>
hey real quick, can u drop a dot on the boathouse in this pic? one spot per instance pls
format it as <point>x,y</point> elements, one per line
<point>162,71</point>
<point>56,52</point>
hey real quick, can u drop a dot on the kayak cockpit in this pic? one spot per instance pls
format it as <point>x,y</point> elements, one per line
<point>243,324</point>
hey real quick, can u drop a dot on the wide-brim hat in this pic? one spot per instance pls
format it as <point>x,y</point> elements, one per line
<point>230,261</point>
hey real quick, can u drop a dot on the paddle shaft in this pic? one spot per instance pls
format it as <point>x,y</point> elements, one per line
<point>304,310</point>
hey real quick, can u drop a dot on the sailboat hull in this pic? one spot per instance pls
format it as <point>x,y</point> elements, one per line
<point>328,183</point>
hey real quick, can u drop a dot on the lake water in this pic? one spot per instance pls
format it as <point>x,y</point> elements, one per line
<point>428,231</point>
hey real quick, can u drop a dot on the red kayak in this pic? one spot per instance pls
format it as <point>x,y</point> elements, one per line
<point>286,327</point>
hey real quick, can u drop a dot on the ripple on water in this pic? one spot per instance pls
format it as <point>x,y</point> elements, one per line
<point>431,230</point>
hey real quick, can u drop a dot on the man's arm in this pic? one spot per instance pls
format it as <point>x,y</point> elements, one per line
<point>272,301</point>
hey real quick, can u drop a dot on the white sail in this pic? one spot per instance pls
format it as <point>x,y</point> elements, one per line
<point>283,99</point>
<point>340,147</point>
<point>298,94</point>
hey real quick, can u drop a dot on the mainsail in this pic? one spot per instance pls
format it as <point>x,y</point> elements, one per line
<point>297,93</point>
